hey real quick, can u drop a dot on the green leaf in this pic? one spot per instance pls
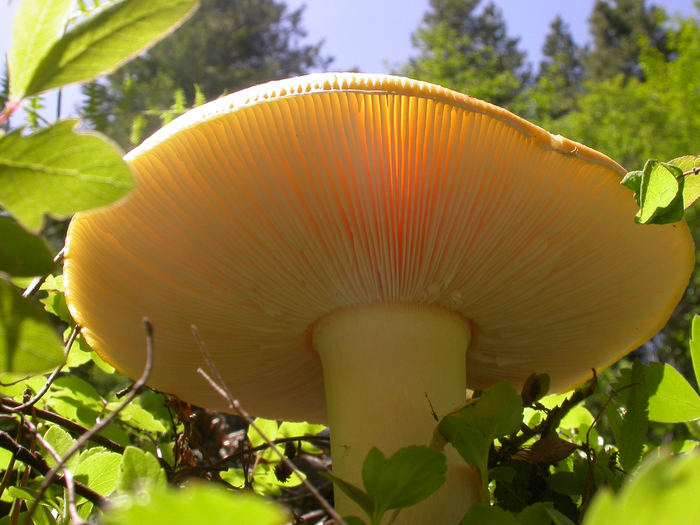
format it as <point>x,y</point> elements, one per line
<point>535,514</point>
<point>614,418</point>
<point>695,347</point>
<point>406,478</point>
<point>671,398</point>
<point>234,477</point>
<point>137,417</point>
<point>107,38</point>
<point>37,26</point>
<point>60,442</point>
<point>197,504</point>
<point>662,491</point>
<point>268,427</point>
<point>99,472</point>
<point>635,422</point>
<point>138,469</point>
<point>356,494</point>
<point>353,520</point>
<point>28,342</point>
<point>22,253</point>
<point>661,194</point>
<point>59,172</point>
<point>483,514</point>
<point>75,388</point>
<point>497,413</point>
<point>691,188</point>
<point>566,483</point>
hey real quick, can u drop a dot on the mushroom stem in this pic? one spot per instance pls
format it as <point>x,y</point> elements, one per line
<point>388,368</point>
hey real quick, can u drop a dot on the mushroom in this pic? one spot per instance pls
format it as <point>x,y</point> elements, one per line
<point>358,249</point>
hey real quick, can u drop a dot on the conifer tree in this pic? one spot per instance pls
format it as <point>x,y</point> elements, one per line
<point>226,46</point>
<point>618,28</point>
<point>468,49</point>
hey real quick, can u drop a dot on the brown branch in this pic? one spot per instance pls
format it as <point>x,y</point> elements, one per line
<point>38,281</point>
<point>82,440</point>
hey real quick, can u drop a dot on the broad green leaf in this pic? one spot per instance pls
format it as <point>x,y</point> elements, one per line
<point>139,418</point>
<point>408,477</point>
<point>289,430</point>
<point>55,303</point>
<point>28,342</point>
<point>268,427</point>
<point>22,253</point>
<point>671,398</point>
<point>695,347</point>
<point>483,514</point>
<point>635,421</point>
<point>138,469</point>
<point>99,472</point>
<point>38,24</point>
<point>60,442</point>
<point>59,172</point>
<point>469,441</point>
<point>234,477</point>
<point>535,514</point>
<point>73,387</point>
<point>356,494</point>
<point>194,505</point>
<point>107,38</point>
<point>353,520</point>
<point>691,188</point>
<point>497,413</point>
<point>566,483</point>
<point>661,194</point>
<point>662,491</point>
<point>73,409</point>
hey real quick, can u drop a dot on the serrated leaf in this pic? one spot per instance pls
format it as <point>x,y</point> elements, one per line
<point>37,26</point>
<point>691,188</point>
<point>614,418</point>
<point>635,421</point>
<point>661,194</point>
<point>28,342</point>
<point>59,172</point>
<point>695,347</point>
<point>108,37</point>
<point>22,253</point>
<point>196,504</point>
<point>138,469</point>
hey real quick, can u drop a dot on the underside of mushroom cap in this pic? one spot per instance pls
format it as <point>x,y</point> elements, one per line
<point>256,215</point>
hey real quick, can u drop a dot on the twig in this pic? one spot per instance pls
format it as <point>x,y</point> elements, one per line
<point>219,385</point>
<point>38,281</point>
<point>65,423</point>
<point>82,440</point>
<point>693,171</point>
<point>67,474</point>
<point>25,456</point>
<point>278,441</point>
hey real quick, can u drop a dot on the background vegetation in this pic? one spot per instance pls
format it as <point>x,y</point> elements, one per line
<point>71,442</point>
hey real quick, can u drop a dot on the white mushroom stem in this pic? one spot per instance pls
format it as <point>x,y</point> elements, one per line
<point>387,369</point>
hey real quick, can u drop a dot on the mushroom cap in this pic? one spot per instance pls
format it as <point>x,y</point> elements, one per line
<point>257,214</point>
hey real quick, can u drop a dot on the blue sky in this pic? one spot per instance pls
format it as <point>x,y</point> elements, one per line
<point>369,34</point>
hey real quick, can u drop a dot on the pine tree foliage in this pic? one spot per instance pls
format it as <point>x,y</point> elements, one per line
<point>466,48</point>
<point>226,46</point>
<point>560,79</point>
<point>618,28</point>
